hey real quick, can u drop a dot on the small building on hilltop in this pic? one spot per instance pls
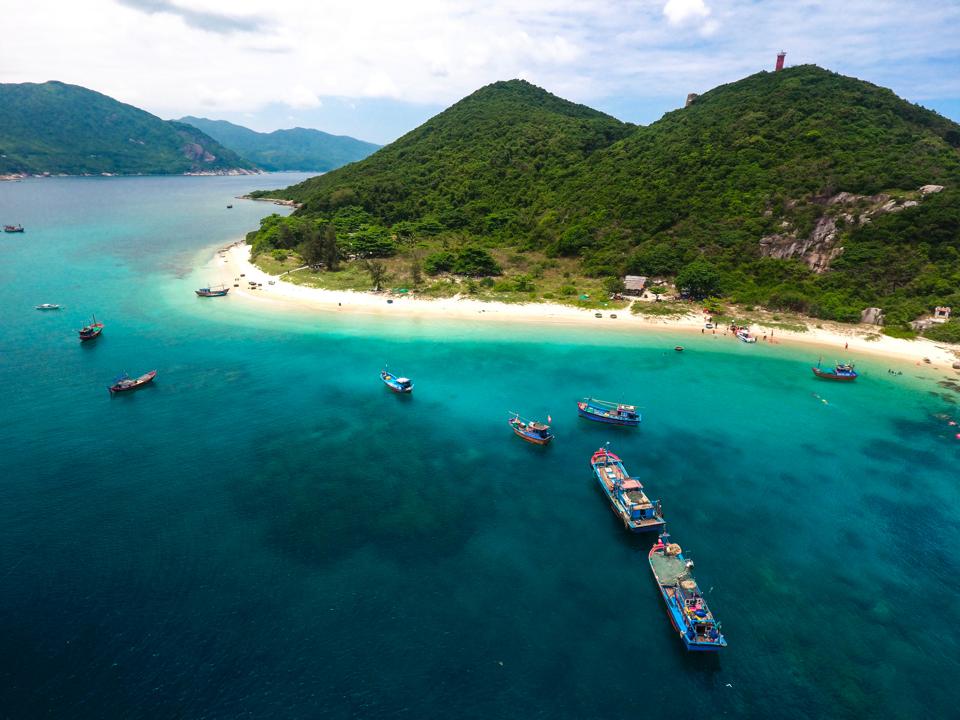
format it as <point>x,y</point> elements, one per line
<point>634,284</point>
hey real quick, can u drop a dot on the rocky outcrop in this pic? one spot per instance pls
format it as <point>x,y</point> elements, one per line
<point>822,247</point>
<point>872,316</point>
<point>818,250</point>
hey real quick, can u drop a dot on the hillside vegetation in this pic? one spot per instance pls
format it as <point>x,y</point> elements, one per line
<point>797,190</point>
<point>58,128</point>
<point>294,149</point>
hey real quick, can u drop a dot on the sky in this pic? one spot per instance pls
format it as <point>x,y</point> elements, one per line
<point>375,69</point>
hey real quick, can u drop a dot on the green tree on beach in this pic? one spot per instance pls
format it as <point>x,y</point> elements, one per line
<point>699,279</point>
<point>377,270</point>
<point>331,252</point>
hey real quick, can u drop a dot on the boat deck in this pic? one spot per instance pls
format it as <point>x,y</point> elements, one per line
<point>669,568</point>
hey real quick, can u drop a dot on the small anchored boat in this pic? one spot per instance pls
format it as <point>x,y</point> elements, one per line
<point>91,331</point>
<point>842,372</point>
<point>13,228</point>
<point>686,606</point>
<point>218,291</point>
<point>627,498</point>
<point>608,412</point>
<point>744,335</point>
<point>124,383</point>
<point>395,383</point>
<point>532,431</point>
<point>48,306</point>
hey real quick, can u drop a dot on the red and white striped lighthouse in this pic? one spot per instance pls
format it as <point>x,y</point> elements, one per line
<point>780,57</point>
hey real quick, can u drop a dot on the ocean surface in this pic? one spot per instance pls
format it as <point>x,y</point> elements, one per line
<point>266,532</point>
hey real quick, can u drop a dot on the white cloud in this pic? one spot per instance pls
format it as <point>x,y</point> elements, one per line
<point>302,97</point>
<point>175,57</point>
<point>681,12</point>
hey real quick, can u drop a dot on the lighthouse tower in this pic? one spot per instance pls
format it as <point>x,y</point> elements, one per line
<point>780,57</point>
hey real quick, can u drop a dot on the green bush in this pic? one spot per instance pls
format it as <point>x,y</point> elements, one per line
<point>946,332</point>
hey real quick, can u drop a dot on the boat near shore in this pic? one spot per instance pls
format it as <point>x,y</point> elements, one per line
<point>686,606</point>
<point>125,383</point>
<point>608,412</point>
<point>13,228</point>
<point>842,372</point>
<point>532,431</point>
<point>48,306</point>
<point>217,291</point>
<point>625,493</point>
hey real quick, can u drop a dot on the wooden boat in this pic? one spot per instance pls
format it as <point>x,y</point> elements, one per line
<point>627,498</point>
<point>218,291</point>
<point>395,383</point>
<point>608,412</point>
<point>842,372</point>
<point>125,383</point>
<point>48,306</point>
<point>13,228</point>
<point>530,430</point>
<point>686,606</point>
<point>229,207</point>
<point>91,331</point>
<point>679,348</point>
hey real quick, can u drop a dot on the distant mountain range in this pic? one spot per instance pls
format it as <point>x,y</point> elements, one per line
<point>57,128</point>
<point>294,149</point>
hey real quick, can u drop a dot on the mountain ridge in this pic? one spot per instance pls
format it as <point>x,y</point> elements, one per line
<point>58,128</point>
<point>304,149</point>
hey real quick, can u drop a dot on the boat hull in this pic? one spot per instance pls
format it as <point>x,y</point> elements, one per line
<point>391,381</point>
<point>825,375</point>
<point>586,414</point>
<point>92,335</point>
<point>530,438</point>
<point>218,293</point>
<point>145,379</point>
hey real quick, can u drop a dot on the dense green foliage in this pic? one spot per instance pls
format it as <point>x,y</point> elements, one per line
<point>293,149</point>
<point>690,196</point>
<point>947,332</point>
<point>482,166</point>
<point>57,128</point>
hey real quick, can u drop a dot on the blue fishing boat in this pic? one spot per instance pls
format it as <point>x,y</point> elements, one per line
<point>686,606</point>
<point>625,493</point>
<point>218,291</point>
<point>395,383</point>
<point>608,412</point>
<point>843,372</point>
<point>532,431</point>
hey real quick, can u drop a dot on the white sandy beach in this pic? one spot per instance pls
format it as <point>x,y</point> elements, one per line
<point>845,340</point>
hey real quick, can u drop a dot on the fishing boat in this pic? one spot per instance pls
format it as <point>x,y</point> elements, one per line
<point>532,431</point>
<point>686,606</point>
<point>842,372</point>
<point>218,291</point>
<point>124,383</point>
<point>48,306</point>
<point>395,383</point>
<point>625,493</point>
<point>91,331</point>
<point>13,228</point>
<point>744,335</point>
<point>608,412</point>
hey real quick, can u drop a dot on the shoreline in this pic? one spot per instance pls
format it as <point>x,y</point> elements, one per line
<point>233,260</point>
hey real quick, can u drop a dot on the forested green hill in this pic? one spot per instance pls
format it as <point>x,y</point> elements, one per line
<point>55,128</point>
<point>781,189</point>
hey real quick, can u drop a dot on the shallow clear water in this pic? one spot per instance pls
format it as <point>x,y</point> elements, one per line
<point>267,532</point>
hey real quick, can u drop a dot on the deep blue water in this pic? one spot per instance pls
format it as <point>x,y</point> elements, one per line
<point>267,532</point>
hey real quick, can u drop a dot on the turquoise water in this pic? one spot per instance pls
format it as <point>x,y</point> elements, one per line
<point>267,532</point>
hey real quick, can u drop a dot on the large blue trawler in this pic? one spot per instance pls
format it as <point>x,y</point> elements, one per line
<point>686,606</point>
<point>625,493</point>
<point>608,412</point>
